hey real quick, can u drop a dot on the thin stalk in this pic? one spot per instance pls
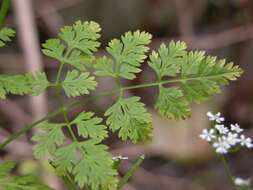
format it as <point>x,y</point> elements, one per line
<point>28,127</point>
<point>228,172</point>
<point>59,74</point>
<point>130,172</point>
<point>3,10</point>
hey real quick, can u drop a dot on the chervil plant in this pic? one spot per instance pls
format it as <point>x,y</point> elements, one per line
<point>84,162</point>
<point>226,140</point>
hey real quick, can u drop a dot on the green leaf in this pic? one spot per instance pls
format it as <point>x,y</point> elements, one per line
<point>76,84</point>
<point>130,117</point>
<point>65,159</point>
<point>38,83</point>
<point>105,67</point>
<point>127,53</point>
<point>78,60</point>
<point>89,162</point>
<point>167,61</point>
<point>203,75</point>
<point>96,169</point>
<point>199,76</point>
<point>5,35</point>
<point>75,45</point>
<point>5,168</point>
<point>82,36</point>
<point>171,103</point>
<point>23,84</point>
<point>89,126</point>
<point>16,84</point>
<point>54,48</point>
<point>48,140</point>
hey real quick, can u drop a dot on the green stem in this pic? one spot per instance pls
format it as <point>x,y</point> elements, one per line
<point>130,172</point>
<point>66,120</point>
<point>59,74</point>
<point>28,127</point>
<point>228,172</point>
<point>3,10</point>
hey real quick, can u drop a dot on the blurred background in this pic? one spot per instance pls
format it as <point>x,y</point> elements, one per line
<point>176,159</point>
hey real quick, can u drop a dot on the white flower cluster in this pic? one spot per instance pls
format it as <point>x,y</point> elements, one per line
<point>224,138</point>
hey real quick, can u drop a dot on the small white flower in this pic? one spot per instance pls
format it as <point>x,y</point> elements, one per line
<point>236,128</point>
<point>222,129</point>
<point>246,141</point>
<point>215,117</point>
<point>207,135</point>
<point>120,157</point>
<point>221,146</point>
<point>242,182</point>
<point>232,138</point>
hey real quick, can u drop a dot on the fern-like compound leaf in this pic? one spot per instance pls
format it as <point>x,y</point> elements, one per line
<point>130,117</point>
<point>48,140</point>
<point>75,45</point>
<point>93,167</point>
<point>76,83</point>
<point>127,55</point>
<point>96,168</point>
<point>23,84</point>
<point>5,35</point>
<point>89,162</point>
<point>202,76</point>
<point>199,76</point>
<point>90,126</point>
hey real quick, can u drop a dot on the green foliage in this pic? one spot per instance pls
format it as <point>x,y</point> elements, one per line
<point>76,44</point>
<point>76,84</point>
<point>89,126</point>
<point>47,141</point>
<point>5,35</point>
<point>23,84</point>
<point>171,103</point>
<point>130,117</point>
<point>127,56</point>
<point>27,182</point>
<point>195,77</point>
<point>167,61</point>
<point>95,169</point>
<point>199,76</point>
<point>88,161</point>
